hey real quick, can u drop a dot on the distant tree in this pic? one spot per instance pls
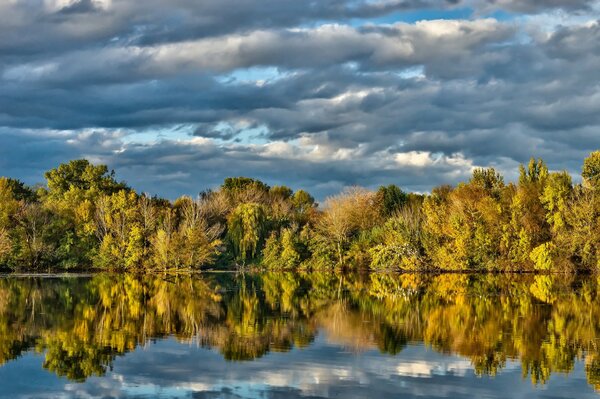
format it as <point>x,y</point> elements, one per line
<point>33,241</point>
<point>536,172</point>
<point>241,190</point>
<point>591,170</point>
<point>281,192</point>
<point>243,183</point>
<point>9,205</point>
<point>488,179</point>
<point>303,201</point>
<point>391,198</point>
<point>82,175</point>
<point>21,192</point>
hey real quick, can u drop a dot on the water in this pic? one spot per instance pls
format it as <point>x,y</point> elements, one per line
<point>283,335</point>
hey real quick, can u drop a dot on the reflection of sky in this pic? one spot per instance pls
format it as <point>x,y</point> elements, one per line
<point>170,369</point>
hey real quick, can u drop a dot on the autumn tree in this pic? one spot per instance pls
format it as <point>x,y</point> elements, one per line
<point>345,215</point>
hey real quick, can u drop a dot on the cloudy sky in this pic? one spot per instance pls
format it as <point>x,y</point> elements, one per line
<point>175,95</point>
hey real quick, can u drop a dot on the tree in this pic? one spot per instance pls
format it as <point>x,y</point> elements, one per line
<point>528,226</point>
<point>345,216</point>
<point>8,203</point>
<point>21,192</point>
<point>244,190</point>
<point>247,230</point>
<point>80,174</point>
<point>243,183</point>
<point>199,242</point>
<point>488,179</point>
<point>401,245</point>
<point>282,252</point>
<point>591,170</point>
<point>32,231</point>
<point>582,238</point>
<point>391,198</point>
<point>119,229</point>
<point>536,172</point>
<point>281,192</point>
<point>555,198</point>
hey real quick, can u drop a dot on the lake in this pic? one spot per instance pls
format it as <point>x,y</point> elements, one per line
<point>290,335</point>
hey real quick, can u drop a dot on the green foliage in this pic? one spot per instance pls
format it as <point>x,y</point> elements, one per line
<point>488,179</point>
<point>86,219</point>
<point>283,252</point>
<point>591,170</point>
<point>247,230</point>
<point>303,201</point>
<point>20,191</point>
<point>237,184</point>
<point>281,192</point>
<point>401,245</point>
<point>391,199</point>
<point>80,174</point>
<point>536,172</point>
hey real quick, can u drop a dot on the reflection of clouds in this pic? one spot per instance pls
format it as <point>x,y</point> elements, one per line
<point>429,369</point>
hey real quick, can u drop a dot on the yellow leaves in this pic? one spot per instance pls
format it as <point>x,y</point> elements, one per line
<point>543,288</point>
<point>543,257</point>
<point>134,253</point>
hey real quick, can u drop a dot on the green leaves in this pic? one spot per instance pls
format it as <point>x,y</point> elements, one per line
<point>591,170</point>
<point>247,230</point>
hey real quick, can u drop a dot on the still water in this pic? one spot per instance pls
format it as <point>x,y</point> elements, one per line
<point>279,335</point>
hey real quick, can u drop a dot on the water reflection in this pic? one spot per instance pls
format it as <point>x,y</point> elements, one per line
<point>355,332</point>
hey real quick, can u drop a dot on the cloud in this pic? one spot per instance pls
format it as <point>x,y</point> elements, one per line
<point>535,6</point>
<point>316,95</point>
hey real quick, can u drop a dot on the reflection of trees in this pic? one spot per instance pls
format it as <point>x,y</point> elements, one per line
<point>82,324</point>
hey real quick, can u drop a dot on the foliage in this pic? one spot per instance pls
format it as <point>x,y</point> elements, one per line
<point>591,170</point>
<point>247,230</point>
<point>84,219</point>
<point>391,199</point>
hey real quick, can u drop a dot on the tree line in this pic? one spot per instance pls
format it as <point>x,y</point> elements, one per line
<point>83,218</point>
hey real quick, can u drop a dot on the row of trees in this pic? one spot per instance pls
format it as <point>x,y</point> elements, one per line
<point>84,217</point>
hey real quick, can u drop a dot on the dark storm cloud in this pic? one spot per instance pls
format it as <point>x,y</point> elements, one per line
<point>314,94</point>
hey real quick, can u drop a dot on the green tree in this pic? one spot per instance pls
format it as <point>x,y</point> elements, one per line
<point>391,198</point>
<point>556,197</point>
<point>247,230</point>
<point>591,170</point>
<point>80,174</point>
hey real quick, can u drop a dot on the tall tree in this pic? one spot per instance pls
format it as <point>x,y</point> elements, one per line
<point>247,230</point>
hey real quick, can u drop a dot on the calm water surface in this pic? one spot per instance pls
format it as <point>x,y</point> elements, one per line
<point>284,335</point>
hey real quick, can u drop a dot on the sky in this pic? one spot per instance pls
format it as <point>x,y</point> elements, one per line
<point>176,95</point>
